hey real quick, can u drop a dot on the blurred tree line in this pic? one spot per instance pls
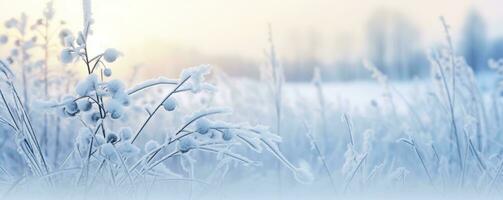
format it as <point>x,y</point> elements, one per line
<point>393,44</point>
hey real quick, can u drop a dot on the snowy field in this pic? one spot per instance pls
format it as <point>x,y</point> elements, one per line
<point>71,129</point>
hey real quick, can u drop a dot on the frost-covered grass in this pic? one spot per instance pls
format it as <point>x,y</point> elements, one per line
<point>205,135</point>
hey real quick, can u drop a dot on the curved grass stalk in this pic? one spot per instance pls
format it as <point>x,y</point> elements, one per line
<point>157,108</point>
<point>346,186</point>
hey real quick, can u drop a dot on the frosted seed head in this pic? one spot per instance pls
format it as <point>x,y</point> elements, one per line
<point>127,149</point>
<point>63,34</point>
<point>115,109</point>
<point>84,105</point>
<point>227,135</point>
<point>126,133</point>
<point>108,151</point>
<point>94,117</point>
<point>116,115</point>
<point>122,97</point>
<point>100,140</point>
<point>125,100</point>
<point>93,80</point>
<point>80,39</point>
<point>151,145</point>
<point>3,39</point>
<point>107,72</point>
<point>68,41</point>
<point>11,23</point>
<point>186,144</point>
<point>203,126</point>
<point>67,56</point>
<point>111,54</point>
<point>116,87</point>
<point>169,104</point>
<point>112,137</point>
<point>71,108</point>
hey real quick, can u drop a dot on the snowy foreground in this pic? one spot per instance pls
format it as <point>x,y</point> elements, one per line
<point>357,140</point>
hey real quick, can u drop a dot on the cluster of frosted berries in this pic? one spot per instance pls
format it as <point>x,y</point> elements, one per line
<point>111,146</point>
<point>77,47</point>
<point>90,91</point>
<point>206,131</point>
<point>213,129</point>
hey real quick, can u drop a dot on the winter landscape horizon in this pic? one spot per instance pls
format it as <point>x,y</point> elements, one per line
<point>214,100</point>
